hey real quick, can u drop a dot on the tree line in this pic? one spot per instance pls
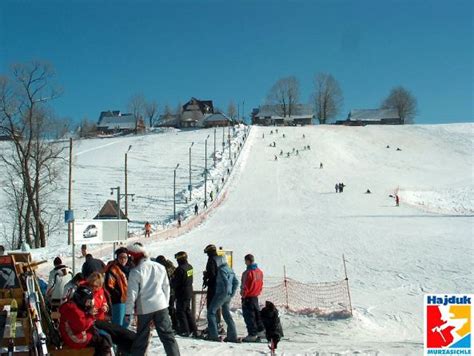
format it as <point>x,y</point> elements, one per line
<point>327,99</point>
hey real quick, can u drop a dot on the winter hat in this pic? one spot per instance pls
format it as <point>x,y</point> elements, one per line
<point>137,252</point>
<point>57,261</point>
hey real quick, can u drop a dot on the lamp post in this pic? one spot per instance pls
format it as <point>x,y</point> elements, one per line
<point>215,131</point>
<point>230,153</point>
<point>126,181</point>
<point>223,139</point>
<point>174,192</point>
<point>205,169</point>
<point>190,188</point>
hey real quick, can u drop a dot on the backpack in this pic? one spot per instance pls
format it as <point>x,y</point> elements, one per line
<point>226,276</point>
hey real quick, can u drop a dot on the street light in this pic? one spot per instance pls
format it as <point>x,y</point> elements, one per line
<point>190,187</point>
<point>174,192</point>
<point>215,130</point>
<point>205,169</point>
<point>126,181</point>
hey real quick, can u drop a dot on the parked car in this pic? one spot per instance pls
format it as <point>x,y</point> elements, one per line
<point>90,232</point>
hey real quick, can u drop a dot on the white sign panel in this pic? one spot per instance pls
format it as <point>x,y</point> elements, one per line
<point>99,231</point>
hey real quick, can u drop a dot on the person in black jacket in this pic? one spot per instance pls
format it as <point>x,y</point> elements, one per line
<point>182,283</point>
<point>170,268</point>
<point>209,277</point>
<point>92,265</point>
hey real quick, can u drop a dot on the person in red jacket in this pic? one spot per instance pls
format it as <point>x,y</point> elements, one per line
<point>96,283</point>
<point>251,287</point>
<point>76,324</point>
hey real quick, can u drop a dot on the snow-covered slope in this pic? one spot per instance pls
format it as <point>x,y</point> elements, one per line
<point>287,213</point>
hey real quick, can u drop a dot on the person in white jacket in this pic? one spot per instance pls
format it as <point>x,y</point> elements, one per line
<point>147,297</point>
<point>58,278</point>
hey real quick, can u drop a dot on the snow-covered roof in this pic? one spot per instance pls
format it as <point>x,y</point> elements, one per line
<point>216,117</point>
<point>373,114</point>
<point>301,111</point>
<point>122,122</point>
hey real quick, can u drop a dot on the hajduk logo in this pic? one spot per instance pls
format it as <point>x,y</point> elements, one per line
<point>448,324</point>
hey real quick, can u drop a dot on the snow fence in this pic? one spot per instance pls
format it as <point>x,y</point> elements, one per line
<point>324,299</point>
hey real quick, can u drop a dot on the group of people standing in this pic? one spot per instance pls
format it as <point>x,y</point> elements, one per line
<point>96,306</point>
<point>339,187</point>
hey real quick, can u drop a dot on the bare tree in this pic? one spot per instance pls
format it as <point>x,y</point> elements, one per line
<point>231,110</point>
<point>34,159</point>
<point>327,97</point>
<point>284,95</point>
<point>404,102</point>
<point>151,112</point>
<point>87,128</point>
<point>136,105</point>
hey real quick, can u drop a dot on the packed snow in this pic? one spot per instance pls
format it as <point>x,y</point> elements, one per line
<point>286,213</point>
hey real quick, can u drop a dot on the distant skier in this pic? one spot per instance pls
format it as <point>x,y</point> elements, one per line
<point>321,165</point>
<point>228,171</point>
<point>341,187</point>
<point>284,136</point>
<point>293,149</point>
<point>399,149</point>
<point>368,191</point>
<point>263,135</point>
<point>397,200</point>
<point>309,147</point>
<point>388,146</point>
<point>281,152</point>
<point>147,229</point>
<point>271,132</point>
<point>337,187</point>
<point>304,136</point>
<point>196,209</point>
<point>276,158</point>
<point>288,154</point>
<point>276,130</point>
<point>180,218</point>
<point>297,152</point>
<point>211,196</point>
<point>205,203</point>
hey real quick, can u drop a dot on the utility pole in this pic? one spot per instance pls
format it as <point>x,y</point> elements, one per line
<point>223,139</point>
<point>243,111</point>
<point>126,181</point>
<point>174,193</point>
<point>230,153</point>
<point>69,196</point>
<point>205,169</point>
<point>190,187</point>
<point>215,130</point>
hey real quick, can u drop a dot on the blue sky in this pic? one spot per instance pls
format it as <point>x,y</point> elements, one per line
<point>106,51</point>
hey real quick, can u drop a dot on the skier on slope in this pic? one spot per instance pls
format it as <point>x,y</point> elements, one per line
<point>337,187</point>
<point>196,209</point>
<point>397,200</point>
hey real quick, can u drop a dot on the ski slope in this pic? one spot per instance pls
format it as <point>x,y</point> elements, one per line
<point>287,213</point>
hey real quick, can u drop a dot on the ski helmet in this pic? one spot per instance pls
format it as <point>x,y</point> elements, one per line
<point>181,255</point>
<point>81,296</point>
<point>210,249</point>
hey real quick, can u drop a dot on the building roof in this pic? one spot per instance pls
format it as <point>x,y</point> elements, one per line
<point>216,117</point>
<point>109,211</point>
<point>373,114</point>
<point>116,121</point>
<point>301,111</point>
